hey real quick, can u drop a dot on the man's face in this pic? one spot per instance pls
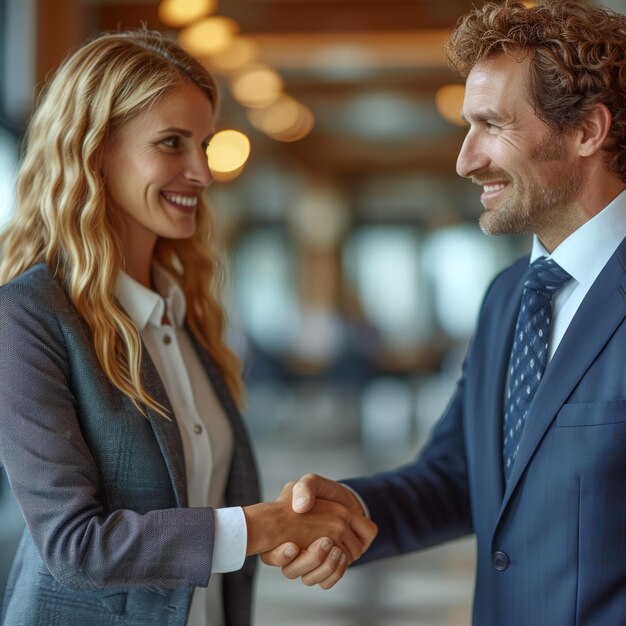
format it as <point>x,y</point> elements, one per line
<point>528,175</point>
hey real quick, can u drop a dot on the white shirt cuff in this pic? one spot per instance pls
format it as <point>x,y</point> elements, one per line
<point>366,511</point>
<point>231,539</point>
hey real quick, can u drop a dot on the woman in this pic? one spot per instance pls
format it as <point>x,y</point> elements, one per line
<point>119,423</point>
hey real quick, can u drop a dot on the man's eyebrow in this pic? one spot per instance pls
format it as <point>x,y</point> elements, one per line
<point>488,115</point>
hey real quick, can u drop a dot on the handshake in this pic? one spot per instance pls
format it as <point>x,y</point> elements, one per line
<point>314,530</point>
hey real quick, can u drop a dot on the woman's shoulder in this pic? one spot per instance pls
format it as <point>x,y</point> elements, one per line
<point>37,286</point>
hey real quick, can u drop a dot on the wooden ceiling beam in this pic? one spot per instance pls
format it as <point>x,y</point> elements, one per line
<point>305,16</point>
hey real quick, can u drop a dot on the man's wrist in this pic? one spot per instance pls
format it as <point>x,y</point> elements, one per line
<point>358,498</point>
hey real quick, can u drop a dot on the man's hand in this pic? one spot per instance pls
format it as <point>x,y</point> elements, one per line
<point>322,562</point>
<point>274,523</point>
<point>312,486</point>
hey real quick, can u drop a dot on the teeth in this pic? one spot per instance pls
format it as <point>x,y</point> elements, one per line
<point>492,188</point>
<point>187,201</point>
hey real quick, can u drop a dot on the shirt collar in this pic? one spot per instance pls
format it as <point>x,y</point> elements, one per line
<point>145,306</point>
<point>586,251</point>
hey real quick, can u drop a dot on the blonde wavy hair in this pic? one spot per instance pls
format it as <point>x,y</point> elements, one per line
<point>62,217</point>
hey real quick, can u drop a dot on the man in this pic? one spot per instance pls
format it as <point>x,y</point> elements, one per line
<point>531,453</point>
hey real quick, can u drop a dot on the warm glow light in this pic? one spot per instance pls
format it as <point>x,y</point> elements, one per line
<point>449,101</point>
<point>177,13</point>
<point>228,152</point>
<point>208,36</point>
<point>285,120</point>
<point>239,52</point>
<point>529,4</point>
<point>278,117</point>
<point>300,129</point>
<point>257,86</point>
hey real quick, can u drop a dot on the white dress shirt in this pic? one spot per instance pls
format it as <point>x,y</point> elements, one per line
<point>205,432</point>
<point>582,255</point>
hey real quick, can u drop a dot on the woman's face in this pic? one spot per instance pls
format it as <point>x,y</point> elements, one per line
<point>155,168</point>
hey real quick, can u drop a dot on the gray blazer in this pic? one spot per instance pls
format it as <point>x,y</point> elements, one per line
<point>102,489</point>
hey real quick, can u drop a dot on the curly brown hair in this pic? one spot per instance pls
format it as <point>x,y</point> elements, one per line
<point>577,59</point>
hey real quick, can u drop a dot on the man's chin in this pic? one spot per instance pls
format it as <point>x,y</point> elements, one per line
<point>492,224</point>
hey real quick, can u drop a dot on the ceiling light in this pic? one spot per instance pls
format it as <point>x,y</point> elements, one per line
<point>236,55</point>
<point>278,117</point>
<point>228,152</point>
<point>178,13</point>
<point>208,36</point>
<point>257,86</point>
<point>300,129</point>
<point>449,101</point>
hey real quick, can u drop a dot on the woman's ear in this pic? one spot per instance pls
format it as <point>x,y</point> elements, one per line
<point>594,130</point>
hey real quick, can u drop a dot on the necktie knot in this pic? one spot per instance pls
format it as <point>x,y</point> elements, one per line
<point>546,276</point>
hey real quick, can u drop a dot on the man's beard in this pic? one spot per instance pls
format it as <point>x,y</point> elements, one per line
<point>536,205</point>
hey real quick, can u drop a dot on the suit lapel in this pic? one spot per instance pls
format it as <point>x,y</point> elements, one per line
<point>494,365</point>
<point>242,487</point>
<point>589,331</point>
<point>166,431</point>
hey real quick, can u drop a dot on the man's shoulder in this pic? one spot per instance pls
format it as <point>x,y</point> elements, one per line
<point>505,284</point>
<point>512,274</point>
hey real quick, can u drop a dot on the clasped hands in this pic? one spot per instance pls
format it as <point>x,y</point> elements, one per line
<point>314,530</point>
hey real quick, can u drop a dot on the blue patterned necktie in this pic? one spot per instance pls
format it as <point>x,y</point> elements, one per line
<point>530,350</point>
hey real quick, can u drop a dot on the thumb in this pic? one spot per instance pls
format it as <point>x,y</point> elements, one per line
<point>311,486</point>
<point>304,493</point>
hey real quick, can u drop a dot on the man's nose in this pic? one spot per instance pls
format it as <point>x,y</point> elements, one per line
<point>471,157</point>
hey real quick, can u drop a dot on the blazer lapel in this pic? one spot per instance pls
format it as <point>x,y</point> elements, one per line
<point>166,431</point>
<point>243,486</point>
<point>589,331</point>
<point>495,364</point>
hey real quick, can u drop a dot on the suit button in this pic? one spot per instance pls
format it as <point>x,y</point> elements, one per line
<point>197,429</point>
<point>500,560</point>
<point>167,340</point>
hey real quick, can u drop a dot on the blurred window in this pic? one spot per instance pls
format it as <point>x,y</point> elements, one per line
<point>3,55</point>
<point>17,61</point>
<point>8,157</point>
<point>265,289</point>
<point>460,263</point>
<point>383,264</point>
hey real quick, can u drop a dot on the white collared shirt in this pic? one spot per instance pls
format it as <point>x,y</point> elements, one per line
<point>583,255</point>
<point>205,432</point>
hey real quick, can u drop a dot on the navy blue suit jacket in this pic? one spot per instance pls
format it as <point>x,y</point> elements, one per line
<point>109,538</point>
<point>551,545</point>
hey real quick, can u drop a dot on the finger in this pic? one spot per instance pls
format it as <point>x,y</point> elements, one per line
<point>351,545</point>
<point>327,569</point>
<point>281,555</point>
<point>365,529</point>
<point>312,486</point>
<point>309,559</point>
<point>358,538</point>
<point>337,575</point>
<point>285,492</point>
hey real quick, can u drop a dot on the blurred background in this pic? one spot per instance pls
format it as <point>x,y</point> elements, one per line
<point>356,267</point>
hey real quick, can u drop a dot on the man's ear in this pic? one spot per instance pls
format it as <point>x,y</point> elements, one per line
<point>594,130</point>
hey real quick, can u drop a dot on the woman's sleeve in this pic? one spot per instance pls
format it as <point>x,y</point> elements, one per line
<point>55,479</point>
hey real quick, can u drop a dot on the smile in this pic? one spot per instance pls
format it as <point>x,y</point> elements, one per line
<point>493,188</point>
<point>180,200</point>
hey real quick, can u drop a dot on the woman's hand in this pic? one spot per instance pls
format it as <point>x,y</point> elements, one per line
<point>271,524</point>
<point>325,560</point>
